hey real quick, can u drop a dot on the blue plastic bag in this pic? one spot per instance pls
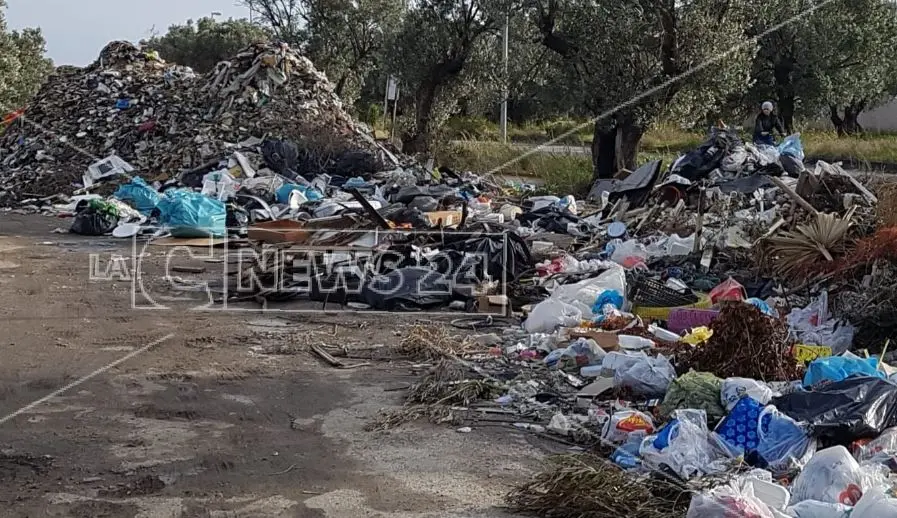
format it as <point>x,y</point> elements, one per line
<point>791,146</point>
<point>139,195</point>
<point>191,214</point>
<point>283,194</point>
<point>783,442</point>
<point>839,368</point>
<point>611,297</point>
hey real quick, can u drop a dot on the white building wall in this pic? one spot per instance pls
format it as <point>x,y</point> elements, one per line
<point>883,118</point>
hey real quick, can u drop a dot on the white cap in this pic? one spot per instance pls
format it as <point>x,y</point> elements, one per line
<point>766,106</point>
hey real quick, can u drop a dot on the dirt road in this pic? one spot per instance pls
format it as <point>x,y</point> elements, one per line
<point>210,414</point>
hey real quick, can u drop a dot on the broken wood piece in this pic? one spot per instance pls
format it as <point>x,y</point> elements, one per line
<point>794,196</point>
<point>188,269</point>
<point>327,357</point>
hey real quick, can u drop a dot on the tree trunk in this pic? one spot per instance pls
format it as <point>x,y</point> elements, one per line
<point>784,88</point>
<point>786,112</point>
<point>849,124</point>
<point>418,139</point>
<point>628,137</point>
<point>604,150</point>
<point>614,148</point>
<point>341,85</point>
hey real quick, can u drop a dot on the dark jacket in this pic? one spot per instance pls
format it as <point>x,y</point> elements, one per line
<point>766,124</point>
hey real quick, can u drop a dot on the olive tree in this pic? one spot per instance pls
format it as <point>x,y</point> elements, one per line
<point>443,52</point>
<point>202,44</point>
<point>836,57</point>
<point>628,62</point>
<point>344,38</point>
<point>23,65</point>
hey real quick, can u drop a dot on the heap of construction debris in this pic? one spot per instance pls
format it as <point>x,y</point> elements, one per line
<point>163,119</point>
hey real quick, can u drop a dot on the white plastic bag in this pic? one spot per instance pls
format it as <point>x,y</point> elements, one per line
<point>880,449</point>
<point>645,375</point>
<point>834,476</point>
<point>550,314</point>
<point>724,501</point>
<point>875,504</point>
<point>627,249</point>
<point>814,509</point>
<point>685,446</point>
<point>814,325</point>
<point>622,424</point>
<point>734,389</point>
<point>583,294</point>
<point>767,155</point>
<point>783,442</point>
<point>219,185</point>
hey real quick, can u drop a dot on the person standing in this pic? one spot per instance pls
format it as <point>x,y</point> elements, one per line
<point>767,123</point>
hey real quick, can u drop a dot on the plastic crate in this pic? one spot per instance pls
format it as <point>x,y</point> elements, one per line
<point>653,293</point>
<point>664,313</point>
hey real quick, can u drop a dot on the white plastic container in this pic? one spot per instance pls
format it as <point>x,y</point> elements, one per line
<point>634,343</point>
<point>663,334</point>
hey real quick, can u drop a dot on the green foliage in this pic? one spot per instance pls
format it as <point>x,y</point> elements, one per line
<point>202,44</point>
<point>23,67</point>
<point>344,38</point>
<point>840,53</point>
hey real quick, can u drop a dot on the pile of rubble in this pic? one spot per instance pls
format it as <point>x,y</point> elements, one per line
<point>685,325</point>
<point>162,119</point>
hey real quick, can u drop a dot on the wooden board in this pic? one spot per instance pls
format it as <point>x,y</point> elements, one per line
<point>200,242</point>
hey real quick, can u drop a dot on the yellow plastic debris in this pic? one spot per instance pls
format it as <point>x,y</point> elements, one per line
<point>698,335</point>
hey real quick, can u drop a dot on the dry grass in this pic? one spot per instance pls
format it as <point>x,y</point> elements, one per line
<point>389,419</point>
<point>430,343</point>
<point>587,486</point>
<point>448,384</point>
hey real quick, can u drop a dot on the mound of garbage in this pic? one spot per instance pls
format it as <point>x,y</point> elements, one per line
<point>162,119</point>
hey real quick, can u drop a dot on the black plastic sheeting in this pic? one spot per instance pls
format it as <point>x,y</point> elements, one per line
<point>844,411</point>
<point>408,194</point>
<point>550,218</point>
<point>636,186</point>
<point>412,287</point>
<point>699,162</point>
<point>502,264</point>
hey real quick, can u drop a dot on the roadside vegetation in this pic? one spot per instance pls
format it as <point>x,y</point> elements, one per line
<point>473,145</point>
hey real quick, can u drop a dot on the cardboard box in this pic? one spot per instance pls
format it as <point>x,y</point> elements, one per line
<point>449,218</point>
<point>280,231</point>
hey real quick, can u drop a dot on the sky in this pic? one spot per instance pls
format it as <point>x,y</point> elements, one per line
<point>76,30</point>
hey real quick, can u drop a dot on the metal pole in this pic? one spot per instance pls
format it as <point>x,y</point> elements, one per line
<point>504,91</point>
<point>385,103</point>
<point>395,107</point>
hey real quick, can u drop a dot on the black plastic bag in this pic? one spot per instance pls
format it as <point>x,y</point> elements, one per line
<point>409,287</point>
<point>698,163</point>
<point>844,411</point>
<point>90,222</point>
<point>502,265</point>
<point>281,156</point>
<point>355,163</point>
<point>550,218</point>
